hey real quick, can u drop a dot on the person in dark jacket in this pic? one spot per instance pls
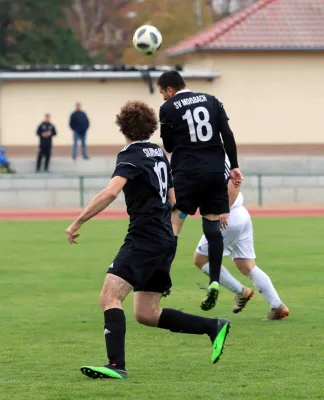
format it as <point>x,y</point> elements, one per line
<point>79,123</point>
<point>46,130</point>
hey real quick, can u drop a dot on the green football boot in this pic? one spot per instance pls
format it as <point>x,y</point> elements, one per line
<point>222,329</point>
<point>107,372</point>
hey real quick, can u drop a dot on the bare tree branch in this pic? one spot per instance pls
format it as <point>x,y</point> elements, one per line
<point>222,8</point>
<point>78,8</point>
<point>98,25</point>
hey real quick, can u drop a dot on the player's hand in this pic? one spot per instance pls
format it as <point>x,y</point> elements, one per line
<point>70,232</point>
<point>223,221</point>
<point>236,177</point>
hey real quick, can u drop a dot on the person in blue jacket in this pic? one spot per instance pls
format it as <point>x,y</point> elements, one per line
<point>79,123</point>
<point>4,163</point>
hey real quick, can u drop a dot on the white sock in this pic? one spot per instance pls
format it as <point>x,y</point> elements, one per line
<point>226,279</point>
<point>264,285</point>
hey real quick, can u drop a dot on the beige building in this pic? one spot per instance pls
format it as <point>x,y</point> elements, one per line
<point>26,96</point>
<point>270,57</point>
<point>265,63</point>
<point>270,97</point>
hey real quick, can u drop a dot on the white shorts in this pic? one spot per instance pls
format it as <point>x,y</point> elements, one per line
<point>238,236</point>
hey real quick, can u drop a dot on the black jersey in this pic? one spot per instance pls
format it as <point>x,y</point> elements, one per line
<point>190,124</point>
<point>45,142</point>
<point>148,172</point>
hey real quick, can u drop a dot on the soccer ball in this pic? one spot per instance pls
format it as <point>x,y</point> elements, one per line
<point>147,39</point>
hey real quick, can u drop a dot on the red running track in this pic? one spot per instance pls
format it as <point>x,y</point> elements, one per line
<point>23,215</point>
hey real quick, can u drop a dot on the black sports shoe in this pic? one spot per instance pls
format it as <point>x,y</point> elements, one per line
<point>106,372</point>
<point>209,301</point>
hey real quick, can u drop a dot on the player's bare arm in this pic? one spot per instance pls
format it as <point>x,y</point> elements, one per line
<point>171,197</point>
<point>101,201</point>
<point>233,192</point>
<point>231,151</point>
<point>223,220</point>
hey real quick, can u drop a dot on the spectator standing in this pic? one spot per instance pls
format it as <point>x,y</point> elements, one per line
<point>79,123</point>
<point>46,130</point>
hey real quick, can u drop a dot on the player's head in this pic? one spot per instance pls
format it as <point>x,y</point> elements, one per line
<point>170,82</point>
<point>47,118</point>
<point>78,106</point>
<point>137,121</point>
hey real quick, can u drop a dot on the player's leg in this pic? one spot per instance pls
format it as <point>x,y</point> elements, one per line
<point>226,279</point>
<point>232,235</point>
<point>265,286</point>
<point>148,312</point>
<point>244,258</point>
<point>113,293</point>
<point>212,232</point>
<point>153,273</point>
<point>118,283</point>
<point>186,202</point>
<point>214,201</point>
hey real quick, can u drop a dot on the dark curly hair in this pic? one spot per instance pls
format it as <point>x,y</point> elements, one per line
<point>137,121</point>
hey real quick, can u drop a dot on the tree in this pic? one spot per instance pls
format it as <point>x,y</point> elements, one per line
<point>105,28</point>
<point>34,32</point>
<point>222,8</point>
<point>175,22</point>
<point>176,19</point>
<point>47,47</point>
<point>100,25</point>
<point>6,15</point>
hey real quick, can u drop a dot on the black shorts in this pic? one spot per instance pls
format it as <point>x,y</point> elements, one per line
<point>209,194</point>
<point>146,268</point>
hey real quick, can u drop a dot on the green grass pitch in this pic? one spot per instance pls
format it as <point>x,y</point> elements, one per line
<point>51,322</point>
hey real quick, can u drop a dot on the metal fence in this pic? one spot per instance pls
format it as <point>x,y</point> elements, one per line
<point>76,190</point>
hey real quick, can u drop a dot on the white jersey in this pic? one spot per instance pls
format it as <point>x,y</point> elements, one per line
<point>239,200</point>
<point>238,236</point>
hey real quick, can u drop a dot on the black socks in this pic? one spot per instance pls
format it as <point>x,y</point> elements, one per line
<point>214,238</point>
<point>115,331</point>
<point>178,321</point>
<point>173,320</point>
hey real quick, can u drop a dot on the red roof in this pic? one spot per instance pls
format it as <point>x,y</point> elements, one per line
<point>265,25</point>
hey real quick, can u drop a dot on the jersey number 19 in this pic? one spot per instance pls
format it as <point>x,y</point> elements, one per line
<point>198,124</point>
<point>162,173</point>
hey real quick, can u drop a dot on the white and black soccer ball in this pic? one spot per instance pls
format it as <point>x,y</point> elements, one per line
<point>147,39</point>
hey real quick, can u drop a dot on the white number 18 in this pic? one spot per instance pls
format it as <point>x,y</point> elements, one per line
<point>198,132</point>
